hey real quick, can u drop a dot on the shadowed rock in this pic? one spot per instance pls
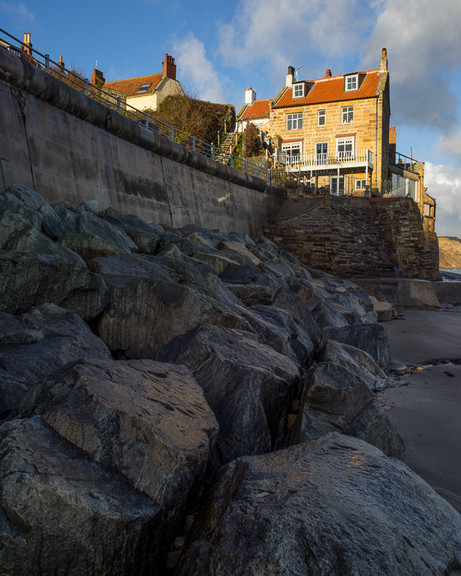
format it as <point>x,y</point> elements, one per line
<point>337,398</point>
<point>61,514</point>
<point>38,343</point>
<point>249,386</point>
<point>372,338</point>
<point>331,507</point>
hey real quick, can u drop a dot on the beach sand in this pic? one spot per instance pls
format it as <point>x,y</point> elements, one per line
<point>424,401</point>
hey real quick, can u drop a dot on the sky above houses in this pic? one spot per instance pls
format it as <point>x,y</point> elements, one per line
<point>223,48</point>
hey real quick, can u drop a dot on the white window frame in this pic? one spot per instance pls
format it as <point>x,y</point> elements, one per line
<point>321,152</point>
<point>351,83</point>
<point>361,184</point>
<point>347,114</point>
<point>298,90</point>
<point>321,117</point>
<point>295,121</point>
<point>293,151</point>
<point>337,185</point>
<point>347,143</point>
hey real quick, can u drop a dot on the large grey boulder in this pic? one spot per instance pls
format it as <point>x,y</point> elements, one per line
<point>146,236</point>
<point>249,386</point>
<point>151,303</point>
<point>357,361</point>
<point>331,507</point>
<point>31,279</point>
<point>372,338</point>
<point>61,514</point>
<point>144,425</point>
<point>337,398</point>
<point>38,343</point>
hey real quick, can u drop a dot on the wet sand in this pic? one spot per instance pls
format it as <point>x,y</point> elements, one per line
<point>425,402</point>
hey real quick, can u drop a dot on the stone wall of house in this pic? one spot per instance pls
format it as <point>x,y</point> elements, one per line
<point>358,237</point>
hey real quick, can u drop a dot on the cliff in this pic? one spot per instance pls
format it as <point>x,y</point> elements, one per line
<point>449,252</point>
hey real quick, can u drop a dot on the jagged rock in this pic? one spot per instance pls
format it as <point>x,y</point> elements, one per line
<point>58,221</point>
<point>146,236</point>
<point>97,237</point>
<point>143,424</point>
<point>61,514</point>
<point>357,361</point>
<point>372,338</point>
<point>37,344</point>
<point>30,279</point>
<point>337,398</point>
<point>252,294</point>
<point>331,507</point>
<point>26,196</point>
<point>249,386</point>
<point>328,314</point>
<point>147,308</point>
<point>283,332</point>
<point>385,311</point>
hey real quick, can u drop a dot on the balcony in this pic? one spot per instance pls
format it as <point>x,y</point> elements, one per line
<point>328,162</point>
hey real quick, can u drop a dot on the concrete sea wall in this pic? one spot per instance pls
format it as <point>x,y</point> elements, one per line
<point>67,146</point>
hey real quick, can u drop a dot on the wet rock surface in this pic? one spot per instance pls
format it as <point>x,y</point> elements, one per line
<point>136,362</point>
<point>335,506</point>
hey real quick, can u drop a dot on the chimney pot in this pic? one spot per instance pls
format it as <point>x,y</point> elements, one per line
<point>290,77</point>
<point>169,67</point>
<point>328,73</point>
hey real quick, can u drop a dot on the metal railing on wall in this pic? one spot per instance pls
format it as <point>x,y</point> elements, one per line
<point>113,101</point>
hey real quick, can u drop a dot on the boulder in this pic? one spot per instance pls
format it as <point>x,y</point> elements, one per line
<point>283,332</point>
<point>62,514</point>
<point>331,507</point>
<point>356,360</point>
<point>249,386</point>
<point>145,424</point>
<point>146,236</point>
<point>372,338</point>
<point>38,343</point>
<point>336,398</point>
<point>31,279</point>
<point>26,196</point>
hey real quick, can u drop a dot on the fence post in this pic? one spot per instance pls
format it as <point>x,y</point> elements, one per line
<point>85,88</point>
<point>213,150</point>
<point>47,63</point>
<point>244,166</point>
<point>269,177</point>
<point>146,120</point>
<point>232,160</point>
<point>172,133</point>
<point>193,143</point>
<point>118,104</point>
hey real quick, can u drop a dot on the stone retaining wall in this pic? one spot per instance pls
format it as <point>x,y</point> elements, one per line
<point>358,237</point>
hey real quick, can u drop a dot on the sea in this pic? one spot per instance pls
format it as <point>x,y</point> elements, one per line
<point>451,274</point>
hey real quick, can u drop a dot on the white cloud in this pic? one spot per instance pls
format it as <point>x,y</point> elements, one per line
<point>450,144</point>
<point>198,70</point>
<point>423,40</point>
<point>278,33</point>
<point>444,184</point>
<point>18,11</point>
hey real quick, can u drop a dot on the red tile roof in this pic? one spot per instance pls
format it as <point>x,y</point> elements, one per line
<point>259,109</point>
<point>331,89</point>
<point>131,86</point>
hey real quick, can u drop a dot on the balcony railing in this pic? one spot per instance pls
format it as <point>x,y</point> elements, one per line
<point>325,161</point>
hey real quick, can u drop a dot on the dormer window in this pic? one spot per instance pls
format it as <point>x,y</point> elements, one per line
<point>144,87</point>
<point>298,90</point>
<point>351,83</point>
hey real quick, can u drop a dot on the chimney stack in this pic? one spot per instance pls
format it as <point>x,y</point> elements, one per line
<point>383,61</point>
<point>169,67</point>
<point>97,78</point>
<point>250,96</point>
<point>27,44</point>
<point>290,77</point>
<point>328,73</point>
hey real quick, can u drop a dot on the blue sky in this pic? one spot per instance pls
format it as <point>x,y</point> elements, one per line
<point>223,48</point>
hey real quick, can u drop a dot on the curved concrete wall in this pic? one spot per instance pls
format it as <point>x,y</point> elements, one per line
<point>69,147</point>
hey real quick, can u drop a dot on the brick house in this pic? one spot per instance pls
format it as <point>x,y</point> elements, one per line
<point>148,91</point>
